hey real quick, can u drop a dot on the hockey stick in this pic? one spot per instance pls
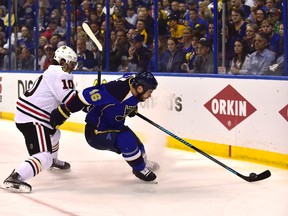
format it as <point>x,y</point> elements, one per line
<point>251,178</point>
<point>89,32</point>
<point>91,35</point>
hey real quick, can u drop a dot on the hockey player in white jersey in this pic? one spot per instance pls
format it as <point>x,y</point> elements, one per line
<point>55,86</point>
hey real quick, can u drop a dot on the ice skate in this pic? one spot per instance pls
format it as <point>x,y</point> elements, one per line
<point>14,184</point>
<point>145,175</point>
<point>152,165</point>
<point>60,165</point>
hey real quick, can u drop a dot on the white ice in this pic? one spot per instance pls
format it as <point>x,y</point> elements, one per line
<point>102,184</point>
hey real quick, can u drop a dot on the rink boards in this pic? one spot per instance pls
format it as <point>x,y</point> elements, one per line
<point>244,119</point>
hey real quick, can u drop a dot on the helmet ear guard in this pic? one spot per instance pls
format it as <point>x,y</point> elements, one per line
<point>146,80</point>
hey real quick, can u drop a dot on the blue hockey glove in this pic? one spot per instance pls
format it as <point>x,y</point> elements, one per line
<point>59,115</point>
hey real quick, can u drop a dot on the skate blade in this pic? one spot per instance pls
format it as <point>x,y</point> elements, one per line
<point>55,169</point>
<point>154,182</point>
<point>16,188</point>
<point>150,182</point>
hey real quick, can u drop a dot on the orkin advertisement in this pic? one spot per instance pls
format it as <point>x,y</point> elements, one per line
<point>234,112</point>
<point>230,107</point>
<point>284,112</point>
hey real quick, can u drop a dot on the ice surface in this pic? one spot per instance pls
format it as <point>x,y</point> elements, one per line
<point>102,184</point>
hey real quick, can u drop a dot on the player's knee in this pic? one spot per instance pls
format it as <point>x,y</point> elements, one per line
<point>126,141</point>
<point>46,159</point>
<point>55,137</point>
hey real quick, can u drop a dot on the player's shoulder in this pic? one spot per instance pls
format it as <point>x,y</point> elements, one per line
<point>119,88</point>
<point>56,71</point>
<point>126,76</point>
<point>53,69</point>
<point>123,80</point>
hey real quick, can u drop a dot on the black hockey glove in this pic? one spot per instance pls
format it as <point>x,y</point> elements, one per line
<point>86,109</point>
<point>134,112</point>
<point>59,115</point>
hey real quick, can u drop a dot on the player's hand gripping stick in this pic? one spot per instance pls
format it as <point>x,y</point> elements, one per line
<point>58,116</point>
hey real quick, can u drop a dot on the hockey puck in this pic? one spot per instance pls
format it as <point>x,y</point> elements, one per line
<point>253,176</point>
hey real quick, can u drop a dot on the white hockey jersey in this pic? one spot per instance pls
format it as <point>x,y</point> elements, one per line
<point>51,89</point>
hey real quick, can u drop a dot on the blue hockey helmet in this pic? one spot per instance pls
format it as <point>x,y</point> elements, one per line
<point>146,80</point>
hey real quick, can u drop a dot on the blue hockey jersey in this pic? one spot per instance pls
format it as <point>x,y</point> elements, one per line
<point>112,103</point>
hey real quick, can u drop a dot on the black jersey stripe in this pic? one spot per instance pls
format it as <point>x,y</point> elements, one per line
<point>68,95</point>
<point>33,116</point>
<point>32,105</point>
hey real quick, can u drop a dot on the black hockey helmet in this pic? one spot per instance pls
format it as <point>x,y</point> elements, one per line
<point>146,80</point>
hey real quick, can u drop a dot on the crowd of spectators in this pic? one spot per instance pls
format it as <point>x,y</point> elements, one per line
<point>253,35</point>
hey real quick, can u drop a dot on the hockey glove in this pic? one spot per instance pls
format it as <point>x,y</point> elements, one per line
<point>273,67</point>
<point>134,112</point>
<point>86,109</point>
<point>59,115</point>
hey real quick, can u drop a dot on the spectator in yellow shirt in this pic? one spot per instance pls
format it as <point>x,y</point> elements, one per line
<point>141,28</point>
<point>176,29</point>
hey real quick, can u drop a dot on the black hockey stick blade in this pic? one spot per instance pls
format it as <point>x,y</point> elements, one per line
<point>252,177</point>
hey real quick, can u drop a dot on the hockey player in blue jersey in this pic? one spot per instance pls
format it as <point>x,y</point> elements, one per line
<point>105,122</point>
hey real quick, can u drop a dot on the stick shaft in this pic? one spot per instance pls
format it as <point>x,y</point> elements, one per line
<point>186,143</point>
<point>91,35</point>
<point>261,176</point>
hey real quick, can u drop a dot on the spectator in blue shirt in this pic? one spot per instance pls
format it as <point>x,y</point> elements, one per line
<point>85,58</point>
<point>262,58</point>
<point>26,39</point>
<point>274,38</point>
<point>236,29</point>
<point>194,19</point>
